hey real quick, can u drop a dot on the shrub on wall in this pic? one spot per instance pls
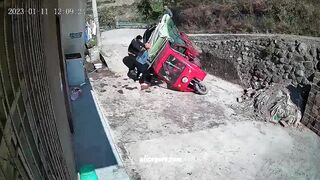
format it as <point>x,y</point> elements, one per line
<point>107,18</point>
<point>151,9</point>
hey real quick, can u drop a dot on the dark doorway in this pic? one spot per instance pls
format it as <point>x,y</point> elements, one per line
<point>64,77</point>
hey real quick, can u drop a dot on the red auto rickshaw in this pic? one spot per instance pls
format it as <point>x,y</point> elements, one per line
<point>174,59</point>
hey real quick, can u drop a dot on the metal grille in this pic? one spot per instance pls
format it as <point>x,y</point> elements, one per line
<point>29,143</point>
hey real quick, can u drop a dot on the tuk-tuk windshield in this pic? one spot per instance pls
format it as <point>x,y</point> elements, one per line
<point>172,69</point>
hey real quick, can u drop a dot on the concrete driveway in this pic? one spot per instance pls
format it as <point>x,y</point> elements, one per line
<point>164,134</point>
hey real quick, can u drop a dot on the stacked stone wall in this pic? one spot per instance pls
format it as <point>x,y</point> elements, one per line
<point>261,60</point>
<point>256,61</point>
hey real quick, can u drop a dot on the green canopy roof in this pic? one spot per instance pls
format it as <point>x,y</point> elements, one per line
<point>170,31</point>
<point>166,30</point>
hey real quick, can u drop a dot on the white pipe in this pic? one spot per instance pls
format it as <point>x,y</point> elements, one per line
<point>96,20</point>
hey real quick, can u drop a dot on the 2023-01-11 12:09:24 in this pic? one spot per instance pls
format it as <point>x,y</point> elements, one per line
<point>45,11</point>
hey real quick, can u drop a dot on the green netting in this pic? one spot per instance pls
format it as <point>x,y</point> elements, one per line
<point>156,48</point>
<point>171,31</point>
<point>166,31</point>
<point>174,33</point>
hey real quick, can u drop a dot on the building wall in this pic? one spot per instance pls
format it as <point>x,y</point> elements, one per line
<point>55,76</point>
<point>74,23</point>
<point>35,136</point>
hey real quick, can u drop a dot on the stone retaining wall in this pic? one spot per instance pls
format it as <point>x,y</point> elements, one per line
<point>257,61</point>
<point>261,60</point>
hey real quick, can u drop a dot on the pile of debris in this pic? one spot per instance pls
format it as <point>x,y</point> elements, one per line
<point>276,103</point>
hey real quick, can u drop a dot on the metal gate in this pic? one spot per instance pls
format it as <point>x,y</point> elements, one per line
<point>29,143</point>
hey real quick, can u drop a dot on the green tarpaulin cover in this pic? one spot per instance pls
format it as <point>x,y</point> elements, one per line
<point>170,31</point>
<point>166,30</point>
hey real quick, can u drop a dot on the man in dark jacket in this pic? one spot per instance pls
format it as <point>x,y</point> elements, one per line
<point>136,47</point>
<point>137,59</point>
<point>129,61</point>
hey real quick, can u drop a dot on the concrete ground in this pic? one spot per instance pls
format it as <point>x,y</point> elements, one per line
<point>164,134</point>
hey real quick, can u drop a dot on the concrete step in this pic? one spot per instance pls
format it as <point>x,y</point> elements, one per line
<point>112,173</point>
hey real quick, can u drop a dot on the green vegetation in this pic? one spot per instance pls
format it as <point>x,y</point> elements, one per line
<point>144,11</point>
<point>299,17</point>
<point>107,18</point>
<point>151,9</point>
<point>91,43</point>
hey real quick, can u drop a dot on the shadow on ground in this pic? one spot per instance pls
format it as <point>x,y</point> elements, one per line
<point>91,145</point>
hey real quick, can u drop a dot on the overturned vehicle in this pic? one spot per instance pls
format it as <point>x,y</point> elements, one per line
<point>173,59</point>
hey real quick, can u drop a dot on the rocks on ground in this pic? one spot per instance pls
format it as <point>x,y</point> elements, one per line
<point>276,103</point>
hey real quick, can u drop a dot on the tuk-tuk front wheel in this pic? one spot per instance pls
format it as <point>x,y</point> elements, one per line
<point>200,88</point>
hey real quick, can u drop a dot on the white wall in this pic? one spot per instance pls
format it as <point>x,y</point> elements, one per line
<point>72,24</point>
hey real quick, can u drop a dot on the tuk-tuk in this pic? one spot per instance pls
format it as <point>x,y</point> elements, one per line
<point>174,59</point>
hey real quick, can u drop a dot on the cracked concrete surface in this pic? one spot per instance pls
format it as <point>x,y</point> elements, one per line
<point>164,134</point>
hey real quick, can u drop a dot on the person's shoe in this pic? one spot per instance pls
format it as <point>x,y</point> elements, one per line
<point>144,86</point>
<point>132,74</point>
